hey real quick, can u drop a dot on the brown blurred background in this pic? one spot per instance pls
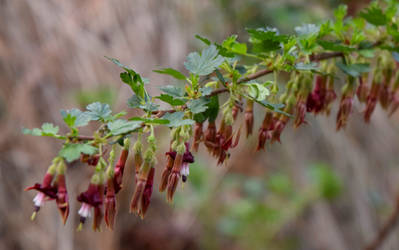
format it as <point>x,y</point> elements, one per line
<point>52,57</point>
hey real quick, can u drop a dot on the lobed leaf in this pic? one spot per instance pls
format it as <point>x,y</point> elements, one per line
<point>72,151</point>
<point>204,63</point>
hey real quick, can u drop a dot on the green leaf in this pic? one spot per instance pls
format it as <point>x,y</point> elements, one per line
<point>204,63</point>
<point>266,39</point>
<point>171,100</point>
<point>48,129</point>
<point>135,102</point>
<point>203,39</point>
<point>75,118</point>
<point>354,70</point>
<point>174,91</point>
<point>198,105</point>
<point>313,66</point>
<point>211,111</point>
<point>172,72</point>
<point>232,45</point>
<point>176,119</point>
<point>120,126</point>
<point>150,120</point>
<point>340,12</point>
<point>374,15</point>
<point>206,91</point>
<point>257,91</point>
<point>35,131</point>
<point>99,111</point>
<point>220,77</point>
<point>334,46</point>
<point>72,151</point>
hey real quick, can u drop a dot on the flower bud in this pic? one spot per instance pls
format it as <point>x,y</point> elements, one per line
<point>371,100</point>
<point>316,99</point>
<point>249,117</point>
<point>62,194</point>
<point>110,203</point>
<point>210,136</point>
<point>174,177</point>
<point>265,131</point>
<point>146,199</point>
<point>197,135</point>
<point>119,169</point>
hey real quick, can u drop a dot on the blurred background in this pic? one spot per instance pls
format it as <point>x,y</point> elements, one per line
<point>317,190</point>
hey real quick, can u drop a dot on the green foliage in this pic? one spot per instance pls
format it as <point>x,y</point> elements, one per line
<point>47,129</point>
<point>72,151</point>
<point>172,72</point>
<point>354,70</point>
<point>374,15</point>
<point>120,126</point>
<point>176,119</point>
<point>204,63</point>
<point>99,111</point>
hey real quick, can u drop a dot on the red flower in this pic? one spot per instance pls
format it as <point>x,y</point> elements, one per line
<point>119,169</point>
<point>371,100</point>
<point>197,135</point>
<point>210,137</point>
<point>316,99</point>
<point>92,198</point>
<point>174,177</point>
<point>265,131</point>
<point>46,190</point>
<point>62,197</point>
<point>362,90</point>
<point>345,109</point>
<point>249,117</point>
<point>110,204</point>
<point>300,113</point>
<point>146,199</point>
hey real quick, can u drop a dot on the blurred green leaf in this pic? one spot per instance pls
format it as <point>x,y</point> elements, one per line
<point>72,151</point>
<point>204,63</point>
<point>172,72</point>
<point>120,126</point>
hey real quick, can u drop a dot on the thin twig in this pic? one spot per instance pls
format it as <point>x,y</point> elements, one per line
<point>386,229</point>
<point>260,73</point>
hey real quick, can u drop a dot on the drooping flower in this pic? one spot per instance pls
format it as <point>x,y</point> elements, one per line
<point>138,158</point>
<point>330,95</point>
<point>110,203</point>
<point>345,106</point>
<point>362,90</point>
<point>372,100</point>
<point>178,169</point>
<point>46,191</point>
<point>265,131</point>
<point>120,166</point>
<point>62,193</point>
<point>167,170</point>
<point>281,120</point>
<point>146,199</point>
<point>210,137</point>
<point>92,198</point>
<point>316,99</point>
<point>197,135</point>
<point>300,113</point>
<point>148,164</point>
<point>175,174</point>
<point>249,117</point>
